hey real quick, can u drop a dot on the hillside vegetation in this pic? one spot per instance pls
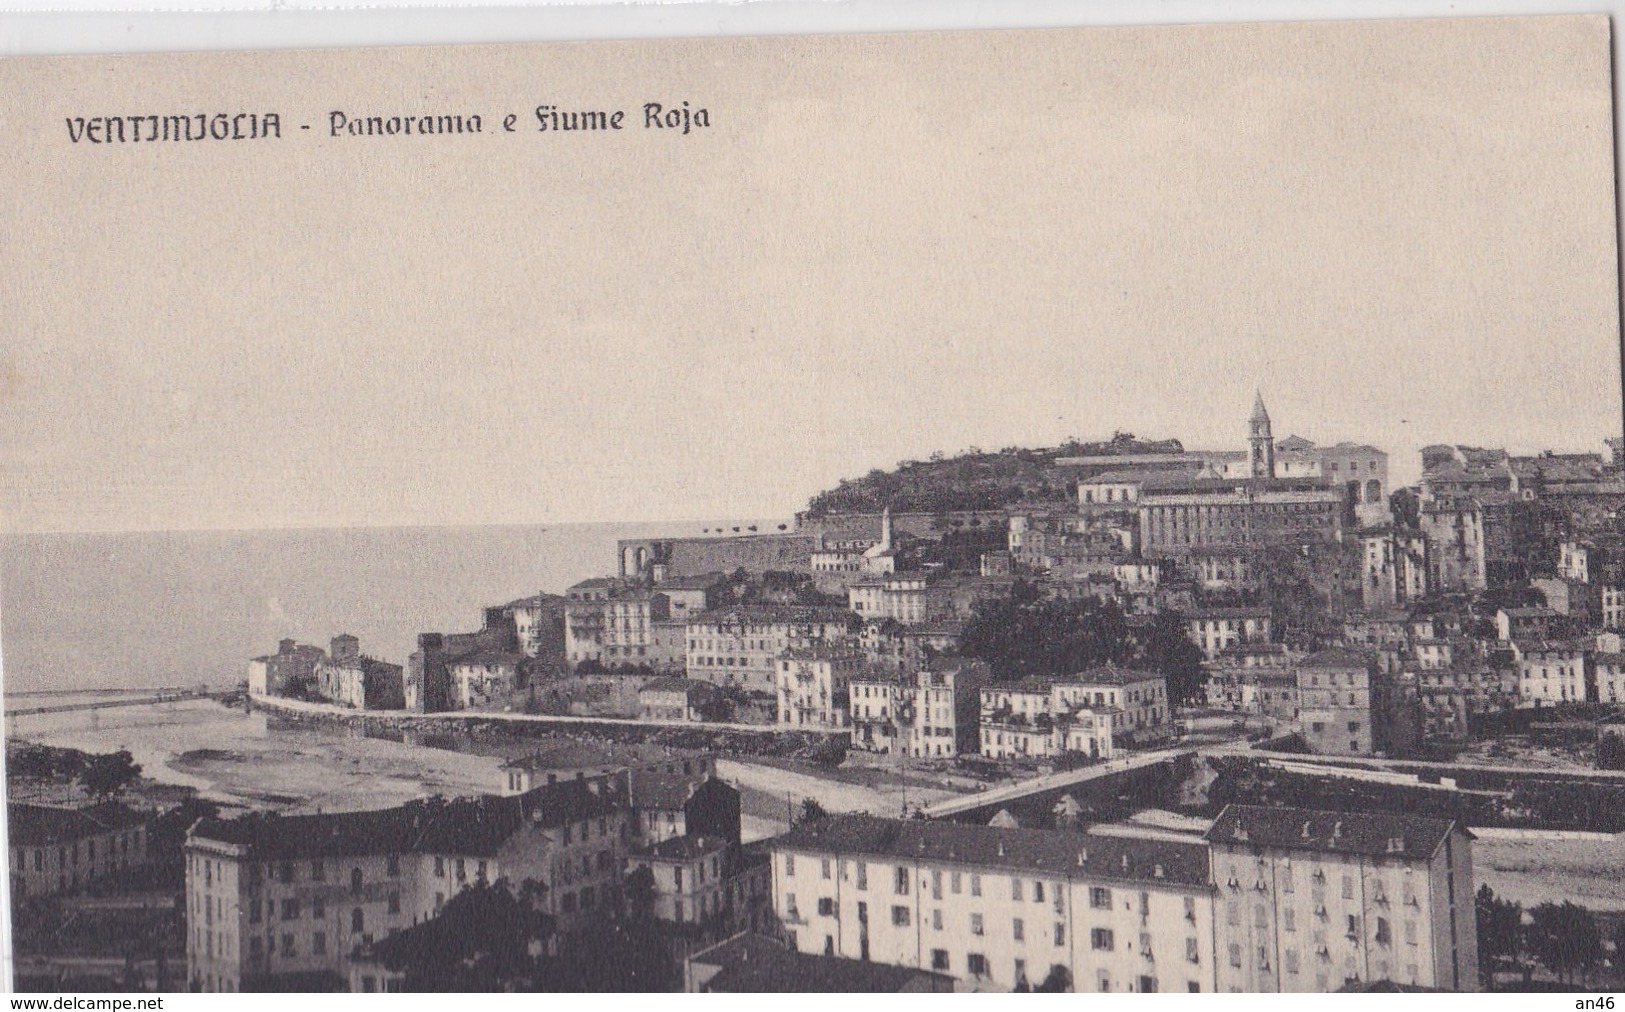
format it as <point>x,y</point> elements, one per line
<point>975,479</point>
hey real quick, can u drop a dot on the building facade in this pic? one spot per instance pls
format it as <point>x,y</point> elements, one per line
<point>996,908</point>
<point>1312,901</point>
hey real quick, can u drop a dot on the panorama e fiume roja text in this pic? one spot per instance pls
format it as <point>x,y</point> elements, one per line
<point>667,119</point>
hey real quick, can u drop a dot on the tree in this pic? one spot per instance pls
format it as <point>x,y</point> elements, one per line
<point>483,939</point>
<point>108,774</point>
<point>1057,981</point>
<point>1500,926</point>
<point>1564,937</point>
<point>1610,751</point>
<point>1169,652</point>
<point>812,811</point>
<point>639,890</point>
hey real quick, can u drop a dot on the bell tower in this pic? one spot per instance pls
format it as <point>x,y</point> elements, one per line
<point>1260,443</point>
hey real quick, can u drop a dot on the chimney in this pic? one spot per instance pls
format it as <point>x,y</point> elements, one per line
<point>1337,830</point>
<point>1083,857</point>
<point>1157,871</point>
<point>1001,848</point>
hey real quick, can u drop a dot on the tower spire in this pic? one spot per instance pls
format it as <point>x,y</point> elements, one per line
<point>1260,441</point>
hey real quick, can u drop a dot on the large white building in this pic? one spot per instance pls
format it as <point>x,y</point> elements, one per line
<point>741,646</point>
<point>610,621</point>
<point>1311,901</point>
<point>928,714</point>
<point>813,686</point>
<point>997,907</point>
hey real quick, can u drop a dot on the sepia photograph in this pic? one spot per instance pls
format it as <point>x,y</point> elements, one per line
<point>1103,510</point>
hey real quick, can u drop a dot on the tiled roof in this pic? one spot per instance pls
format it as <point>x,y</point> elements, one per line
<point>1373,834</point>
<point>40,825</point>
<point>683,848</point>
<point>665,792</point>
<point>1033,851</point>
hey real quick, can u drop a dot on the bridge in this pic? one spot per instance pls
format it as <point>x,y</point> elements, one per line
<point>178,695</point>
<point>983,804</point>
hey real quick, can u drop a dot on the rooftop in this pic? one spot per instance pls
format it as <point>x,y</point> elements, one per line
<point>40,825</point>
<point>683,848</point>
<point>476,826</point>
<point>1373,834</point>
<point>1034,851</point>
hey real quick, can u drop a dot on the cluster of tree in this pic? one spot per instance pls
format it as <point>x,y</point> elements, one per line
<point>778,587</point>
<point>1569,804</point>
<point>960,549</point>
<point>101,775</point>
<point>1562,937</point>
<point>973,480</point>
<point>1029,636</point>
<point>493,938</point>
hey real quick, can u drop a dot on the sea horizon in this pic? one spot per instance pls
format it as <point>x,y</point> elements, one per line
<point>139,609</point>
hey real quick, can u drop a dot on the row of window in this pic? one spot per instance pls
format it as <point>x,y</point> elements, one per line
<point>292,908</point>
<point>117,845</point>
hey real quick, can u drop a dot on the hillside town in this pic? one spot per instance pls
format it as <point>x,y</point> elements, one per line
<point>1193,720</point>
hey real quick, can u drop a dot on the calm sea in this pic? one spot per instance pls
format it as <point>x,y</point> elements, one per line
<point>80,611</point>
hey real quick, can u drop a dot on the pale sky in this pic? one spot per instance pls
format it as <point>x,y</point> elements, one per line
<point>1401,232</point>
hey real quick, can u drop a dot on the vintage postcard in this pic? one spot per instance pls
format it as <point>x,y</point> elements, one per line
<point>1105,510</point>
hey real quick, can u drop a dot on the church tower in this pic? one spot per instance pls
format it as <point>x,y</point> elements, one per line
<point>1260,443</point>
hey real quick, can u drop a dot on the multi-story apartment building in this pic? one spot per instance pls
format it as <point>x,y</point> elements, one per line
<point>609,621</point>
<point>742,646</point>
<point>813,685</point>
<point>485,680</point>
<point>1311,901</point>
<point>1086,714</point>
<point>1216,630</point>
<point>1335,702</point>
<point>902,597</point>
<point>908,647</point>
<point>274,902</point>
<point>1453,530</point>
<point>1136,700</point>
<point>997,907</point>
<point>687,873</point>
<point>59,850</point>
<point>928,714</point>
<point>1550,673</point>
<point>1396,567</point>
